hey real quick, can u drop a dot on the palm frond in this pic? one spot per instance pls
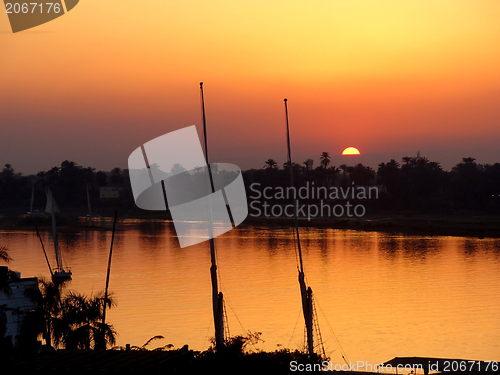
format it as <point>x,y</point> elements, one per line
<point>4,254</point>
<point>158,337</point>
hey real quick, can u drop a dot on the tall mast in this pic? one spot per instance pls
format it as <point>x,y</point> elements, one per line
<point>60,274</point>
<point>88,198</point>
<point>44,252</point>
<point>306,293</point>
<point>102,341</point>
<point>217,298</point>
<point>32,196</point>
<point>54,236</point>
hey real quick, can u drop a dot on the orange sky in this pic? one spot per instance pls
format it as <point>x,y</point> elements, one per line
<point>383,76</point>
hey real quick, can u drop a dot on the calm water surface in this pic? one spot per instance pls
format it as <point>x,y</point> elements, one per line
<point>381,295</point>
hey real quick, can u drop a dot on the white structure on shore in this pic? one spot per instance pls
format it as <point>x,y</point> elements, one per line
<point>14,305</point>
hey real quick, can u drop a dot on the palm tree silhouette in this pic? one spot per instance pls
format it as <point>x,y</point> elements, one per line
<point>44,318</point>
<point>324,159</point>
<point>8,171</point>
<point>74,321</point>
<point>344,169</point>
<point>82,317</point>
<point>4,283</point>
<point>117,176</point>
<point>271,164</point>
<point>407,160</point>
<point>388,175</point>
<point>4,254</point>
<point>332,174</point>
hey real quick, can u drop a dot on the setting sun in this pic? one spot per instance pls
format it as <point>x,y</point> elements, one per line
<point>351,151</point>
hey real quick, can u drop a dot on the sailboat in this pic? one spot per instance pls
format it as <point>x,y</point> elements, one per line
<point>217,297</point>
<point>305,291</point>
<point>36,213</point>
<point>59,274</point>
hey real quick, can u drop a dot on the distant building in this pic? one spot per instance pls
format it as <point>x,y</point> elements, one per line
<point>109,192</point>
<point>14,305</point>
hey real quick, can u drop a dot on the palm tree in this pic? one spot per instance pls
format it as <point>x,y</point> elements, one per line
<point>82,316</point>
<point>8,171</point>
<point>74,321</point>
<point>407,160</point>
<point>344,169</point>
<point>143,347</point>
<point>324,159</point>
<point>4,254</point>
<point>4,283</point>
<point>468,160</point>
<point>388,174</point>
<point>176,169</point>
<point>332,174</point>
<point>52,176</point>
<point>117,176</point>
<point>271,164</point>
<point>44,318</point>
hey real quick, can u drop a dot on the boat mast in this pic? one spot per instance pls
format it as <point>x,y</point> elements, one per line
<point>88,198</point>
<point>102,342</point>
<point>217,298</point>
<point>54,236</point>
<point>44,252</point>
<point>59,275</point>
<point>306,293</point>
<point>32,197</point>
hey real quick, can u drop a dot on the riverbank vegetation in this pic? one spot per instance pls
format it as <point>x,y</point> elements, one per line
<point>413,184</point>
<point>412,195</point>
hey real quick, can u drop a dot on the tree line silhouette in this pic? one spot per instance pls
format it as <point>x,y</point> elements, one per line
<point>414,184</point>
<point>68,183</point>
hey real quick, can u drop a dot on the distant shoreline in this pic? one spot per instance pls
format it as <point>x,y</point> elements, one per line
<point>424,225</point>
<point>477,226</point>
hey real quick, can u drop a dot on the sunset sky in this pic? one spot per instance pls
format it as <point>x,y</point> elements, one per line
<point>390,77</point>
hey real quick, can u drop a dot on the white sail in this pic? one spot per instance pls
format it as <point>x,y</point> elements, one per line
<point>51,205</point>
<point>60,273</point>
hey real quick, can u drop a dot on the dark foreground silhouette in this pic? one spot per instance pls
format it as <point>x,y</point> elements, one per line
<point>231,359</point>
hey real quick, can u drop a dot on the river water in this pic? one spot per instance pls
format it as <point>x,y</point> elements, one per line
<point>377,295</point>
